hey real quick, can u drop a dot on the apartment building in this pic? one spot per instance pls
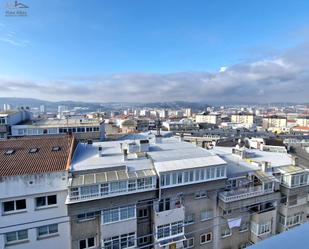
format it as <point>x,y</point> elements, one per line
<point>149,193</point>
<point>9,118</point>
<point>266,193</point>
<point>242,118</point>
<point>302,121</point>
<point>33,190</point>
<point>274,122</point>
<point>83,129</point>
<point>210,118</point>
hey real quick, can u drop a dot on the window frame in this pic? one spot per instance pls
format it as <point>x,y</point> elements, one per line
<point>205,235</point>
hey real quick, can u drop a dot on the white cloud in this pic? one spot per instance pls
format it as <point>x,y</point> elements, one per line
<point>280,79</point>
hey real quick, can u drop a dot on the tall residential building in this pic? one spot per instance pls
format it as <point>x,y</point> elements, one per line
<point>6,107</point>
<point>242,118</point>
<point>42,109</point>
<point>33,190</point>
<point>211,118</point>
<point>274,122</point>
<point>83,129</point>
<point>188,112</point>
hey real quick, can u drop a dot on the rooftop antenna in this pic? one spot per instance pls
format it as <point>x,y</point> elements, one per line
<point>158,126</point>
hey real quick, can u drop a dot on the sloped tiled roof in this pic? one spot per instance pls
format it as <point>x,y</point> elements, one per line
<point>21,162</point>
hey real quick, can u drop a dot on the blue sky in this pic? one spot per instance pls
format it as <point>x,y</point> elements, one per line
<point>65,40</point>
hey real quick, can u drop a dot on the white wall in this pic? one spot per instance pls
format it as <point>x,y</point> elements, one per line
<point>30,187</point>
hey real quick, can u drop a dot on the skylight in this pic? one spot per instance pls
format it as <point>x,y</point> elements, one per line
<point>56,148</point>
<point>10,152</point>
<point>33,150</point>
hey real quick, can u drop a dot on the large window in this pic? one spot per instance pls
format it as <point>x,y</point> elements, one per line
<point>44,201</point>
<point>189,176</point>
<point>48,230</point>
<point>14,206</point>
<point>106,189</point>
<point>122,241</point>
<point>87,243</point>
<point>168,230</point>
<point>16,237</point>
<point>118,214</point>
<point>293,220</point>
<point>299,180</point>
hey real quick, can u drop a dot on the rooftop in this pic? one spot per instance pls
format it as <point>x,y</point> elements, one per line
<point>31,155</point>
<point>62,122</point>
<point>168,155</point>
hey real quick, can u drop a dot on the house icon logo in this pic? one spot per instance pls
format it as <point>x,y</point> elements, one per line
<point>16,8</point>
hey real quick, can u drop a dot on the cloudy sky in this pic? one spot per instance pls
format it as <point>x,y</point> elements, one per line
<point>211,51</point>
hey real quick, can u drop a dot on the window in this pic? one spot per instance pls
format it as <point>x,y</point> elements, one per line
<point>143,213</point>
<point>168,230</point>
<point>264,228</point>
<point>49,230</point>
<point>14,206</point>
<point>293,220</point>
<point>143,240</point>
<point>117,214</point>
<point>122,241</point>
<point>92,190</point>
<point>164,204</point>
<point>87,243</point>
<point>104,189</point>
<point>189,219</point>
<point>15,237</point>
<point>201,194</point>
<point>206,215</point>
<point>188,243</point>
<point>205,238</point>
<point>132,185</point>
<point>86,216</point>
<point>44,201</point>
<point>244,226</point>
<point>226,232</point>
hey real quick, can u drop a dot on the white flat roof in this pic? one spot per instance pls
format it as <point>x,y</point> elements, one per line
<point>169,155</point>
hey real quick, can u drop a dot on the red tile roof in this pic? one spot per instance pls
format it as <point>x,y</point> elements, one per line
<point>21,162</point>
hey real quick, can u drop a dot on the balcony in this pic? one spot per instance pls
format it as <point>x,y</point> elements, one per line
<point>243,193</point>
<point>164,214</point>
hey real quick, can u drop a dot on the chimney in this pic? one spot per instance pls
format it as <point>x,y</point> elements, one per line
<point>295,160</point>
<point>100,151</point>
<point>264,166</point>
<point>181,137</point>
<point>125,155</point>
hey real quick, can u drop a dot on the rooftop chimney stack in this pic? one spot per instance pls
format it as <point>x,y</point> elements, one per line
<point>125,155</point>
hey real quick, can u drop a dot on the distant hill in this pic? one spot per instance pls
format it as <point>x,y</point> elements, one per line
<point>16,102</point>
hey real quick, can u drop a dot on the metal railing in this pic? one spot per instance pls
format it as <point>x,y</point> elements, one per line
<point>243,193</point>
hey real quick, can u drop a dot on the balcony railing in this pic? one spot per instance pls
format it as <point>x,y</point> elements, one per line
<point>243,193</point>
